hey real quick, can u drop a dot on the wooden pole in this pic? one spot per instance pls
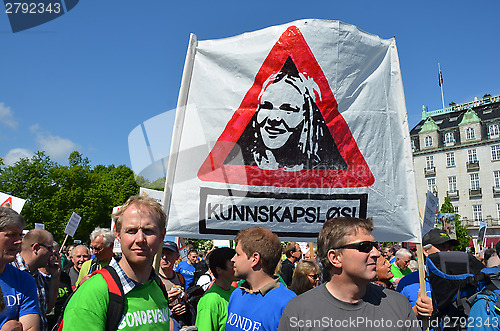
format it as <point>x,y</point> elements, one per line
<point>311,250</point>
<point>421,276</point>
<point>176,135</point>
<point>64,242</point>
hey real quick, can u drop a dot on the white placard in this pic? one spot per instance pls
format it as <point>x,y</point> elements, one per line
<point>431,205</point>
<point>72,225</point>
<point>12,202</point>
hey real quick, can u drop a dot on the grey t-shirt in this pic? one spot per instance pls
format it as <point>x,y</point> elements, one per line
<point>379,309</point>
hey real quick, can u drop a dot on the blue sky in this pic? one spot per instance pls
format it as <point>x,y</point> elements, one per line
<point>85,80</point>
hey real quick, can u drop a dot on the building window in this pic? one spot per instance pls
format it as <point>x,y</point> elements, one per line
<point>474,181</point>
<point>493,131</point>
<point>495,152</point>
<point>429,162</point>
<point>477,213</point>
<point>431,185</point>
<point>496,177</point>
<point>413,147</point>
<point>455,208</point>
<point>452,183</point>
<point>470,134</point>
<point>498,211</point>
<point>472,155</point>
<point>450,159</point>
<point>428,141</point>
<point>448,138</point>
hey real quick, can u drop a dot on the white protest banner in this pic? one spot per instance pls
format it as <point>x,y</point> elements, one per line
<point>72,225</point>
<point>40,226</point>
<point>153,194</point>
<point>287,127</point>
<point>431,205</point>
<point>12,202</point>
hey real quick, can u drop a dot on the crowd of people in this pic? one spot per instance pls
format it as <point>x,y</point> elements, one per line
<point>350,283</point>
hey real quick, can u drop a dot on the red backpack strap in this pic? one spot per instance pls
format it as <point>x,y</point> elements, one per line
<point>116,301</point>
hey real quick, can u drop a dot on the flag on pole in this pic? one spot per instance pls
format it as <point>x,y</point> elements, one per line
<point>481,236</point>
<point>288,127</point>
<point>440,76</point>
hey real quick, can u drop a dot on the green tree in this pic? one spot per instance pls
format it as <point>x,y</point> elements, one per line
<point>462,233</point>
<point>53,192</point>
<point>30,179</point>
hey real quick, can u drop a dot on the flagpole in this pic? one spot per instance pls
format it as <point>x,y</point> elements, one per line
<point>441,84</point>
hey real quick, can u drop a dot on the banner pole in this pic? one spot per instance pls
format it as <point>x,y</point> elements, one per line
<point>176,135</point>
<point>311,250</point>
<point>421,275</point>
<point>64,242</point>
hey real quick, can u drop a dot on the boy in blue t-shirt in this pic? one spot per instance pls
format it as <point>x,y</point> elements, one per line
<point>260,301</point>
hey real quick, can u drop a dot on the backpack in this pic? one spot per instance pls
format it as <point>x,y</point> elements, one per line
<point>455,278</point>
<point>485,311</point>
<point>116,301</point>
<point>195,292</point>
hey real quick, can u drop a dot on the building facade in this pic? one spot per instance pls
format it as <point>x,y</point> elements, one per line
<point>456,154</point>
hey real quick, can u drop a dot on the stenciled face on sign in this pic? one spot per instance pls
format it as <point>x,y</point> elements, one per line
<point>280,113</point>
<point>288,130</point>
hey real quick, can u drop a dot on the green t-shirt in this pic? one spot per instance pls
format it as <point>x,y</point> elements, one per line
<point>212,309</point>
<point>398,273</point>
<point>146,308</point>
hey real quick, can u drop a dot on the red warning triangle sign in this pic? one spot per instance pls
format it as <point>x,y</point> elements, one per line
<point>7,203</point>
<point>221,165</point>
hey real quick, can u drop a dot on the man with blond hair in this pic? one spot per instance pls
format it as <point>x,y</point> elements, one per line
<point>260,300</point>
<point>140,227</point>
<point>348,300</point>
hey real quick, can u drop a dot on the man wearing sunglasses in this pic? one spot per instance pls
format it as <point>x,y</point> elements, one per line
<point>101,246</point>
<point>348,300</point>
<point>37,248</point>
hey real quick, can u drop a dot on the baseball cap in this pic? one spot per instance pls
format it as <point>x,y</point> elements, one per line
<point>171,245</point>
<point>438,237</point>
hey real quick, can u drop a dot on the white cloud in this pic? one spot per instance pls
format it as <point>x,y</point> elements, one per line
<point>6,116</point>
<point>56,147</point>
<point>15,155</point>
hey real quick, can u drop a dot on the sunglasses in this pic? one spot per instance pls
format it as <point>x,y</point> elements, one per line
<point>362,246</point>
<point>49,248</point>
<point>97,249</point>
<point>315,277</point>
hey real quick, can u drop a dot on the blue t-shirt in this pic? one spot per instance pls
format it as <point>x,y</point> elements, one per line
<point>409,286</point>
<point>186,270</point>
<point>19,293</point>
<point>254,311</point>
